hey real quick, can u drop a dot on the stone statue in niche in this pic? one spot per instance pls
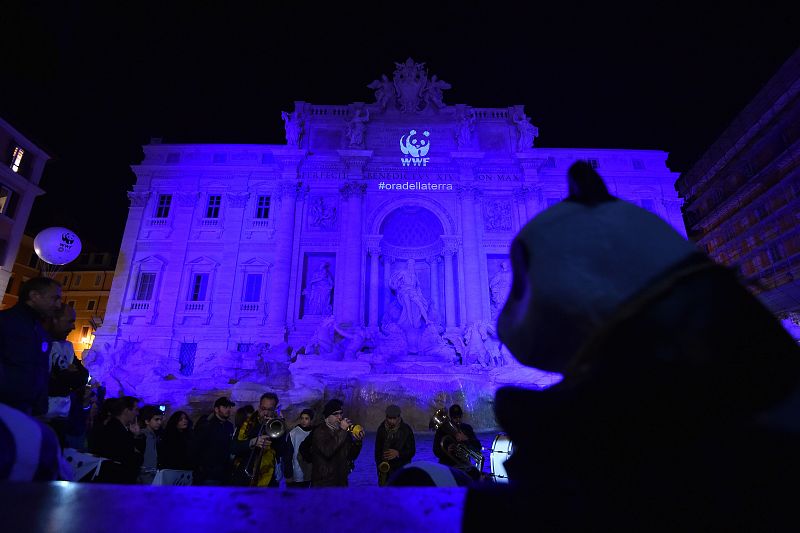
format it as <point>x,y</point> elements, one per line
<point>318,291</point>
<point>499,287</point>
<point>526,132</point>
<point>356,127</point>
<point>293,123</point>
<point>466,125</point>
<point>414,306</point>
<point>322,215</point>
<point>497,216</point>
<point>432,93</point>
<point>384,91</point>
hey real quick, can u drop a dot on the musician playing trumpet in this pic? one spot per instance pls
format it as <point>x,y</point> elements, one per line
<point>394,445</point>
<point>465,435</point>
<point>335,445</point>
<point>257,448</point>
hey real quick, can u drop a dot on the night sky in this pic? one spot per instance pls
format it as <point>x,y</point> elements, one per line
<point>90,82</point>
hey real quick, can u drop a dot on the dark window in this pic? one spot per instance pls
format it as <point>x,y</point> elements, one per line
<point>593,163</point>
<point>8,201</point>
<point>71,303</point>
<point>186,358</point>
<point>243,347</point>
<point>197,292</point>
<point>10,285</point>
<point>33,260</point>
<point>144,286</point>
<point>262,208</point>
<point>252,288</point>
<point>97,279</point>
<point>212,210</point>
<point>90,305</point>
<point>162,209</point>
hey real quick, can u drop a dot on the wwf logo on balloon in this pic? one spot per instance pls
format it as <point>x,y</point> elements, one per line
<point>67,240</point>
<point>415,146</point>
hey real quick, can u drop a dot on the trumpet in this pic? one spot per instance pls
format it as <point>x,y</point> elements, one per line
<point>462,455</point>
<point>272,428</point>
<point>356,430</point>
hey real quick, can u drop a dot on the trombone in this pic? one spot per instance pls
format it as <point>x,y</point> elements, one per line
<point>462,455</point>
<point>272,428</point>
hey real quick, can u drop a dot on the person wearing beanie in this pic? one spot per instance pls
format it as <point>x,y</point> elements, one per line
<point>297,470</point>
<point>394,445</point>
<point>465,435</point>
<point>333,448</point>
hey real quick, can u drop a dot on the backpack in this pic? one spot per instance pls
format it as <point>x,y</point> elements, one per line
<point>304,450</point>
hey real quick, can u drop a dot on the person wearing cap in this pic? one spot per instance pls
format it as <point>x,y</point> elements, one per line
<point>296,469</point>
<point>394,445</point>
<point>211,447</point>
<point>333,447</point>
<point>465,435</point>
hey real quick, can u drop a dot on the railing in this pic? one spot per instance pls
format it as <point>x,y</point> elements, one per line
<point>249,307</point>
<point>209,222</point>
<point>489,113</point>
<point>260,222</point>
<point>158,221</point>
<point>332,111</point>
<point>194,306</point>
<point>140,306</point>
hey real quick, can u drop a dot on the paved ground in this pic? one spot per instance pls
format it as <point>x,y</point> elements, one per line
<point>364,474</point>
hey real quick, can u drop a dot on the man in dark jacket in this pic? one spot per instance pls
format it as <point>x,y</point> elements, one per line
<point>464,436</point>
<point>394,445</point>
<point>334,447</point>
<point>211,445</point>
<point>119,443</point>
<point>24,346</point>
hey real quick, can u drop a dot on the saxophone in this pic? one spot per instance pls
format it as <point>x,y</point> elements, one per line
<point>384,467</point>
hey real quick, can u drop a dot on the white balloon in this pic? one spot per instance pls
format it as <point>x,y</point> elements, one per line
<point>57,245</point>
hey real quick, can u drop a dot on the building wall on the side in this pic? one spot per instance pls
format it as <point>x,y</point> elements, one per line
<point>743,196</point>
<point>18,189</point>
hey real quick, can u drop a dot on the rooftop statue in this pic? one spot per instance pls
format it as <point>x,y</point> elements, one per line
<point>294,127</point>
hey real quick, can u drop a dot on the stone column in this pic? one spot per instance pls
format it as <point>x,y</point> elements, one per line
<point>449,294</point>
<point>281,272</point>
<point>350,290</point>
<point>372,243</point>
<point>351,305</point>
<point>435,283</point>
<point>293,304</point>
<point>387,275</point>
<point>472,255</point>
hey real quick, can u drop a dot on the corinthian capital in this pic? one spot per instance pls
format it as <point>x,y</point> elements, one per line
<point>138,199</point>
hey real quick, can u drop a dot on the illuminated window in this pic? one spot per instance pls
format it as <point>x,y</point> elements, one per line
<point>144,286</point>
<point>197,292</point>
<point>252,288</point>
<point>212,210</point>
<point>262,208</point>
<point>8,201</point>
<point>16,158</point>
<point>85,332</point>
<point>162,209</point>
